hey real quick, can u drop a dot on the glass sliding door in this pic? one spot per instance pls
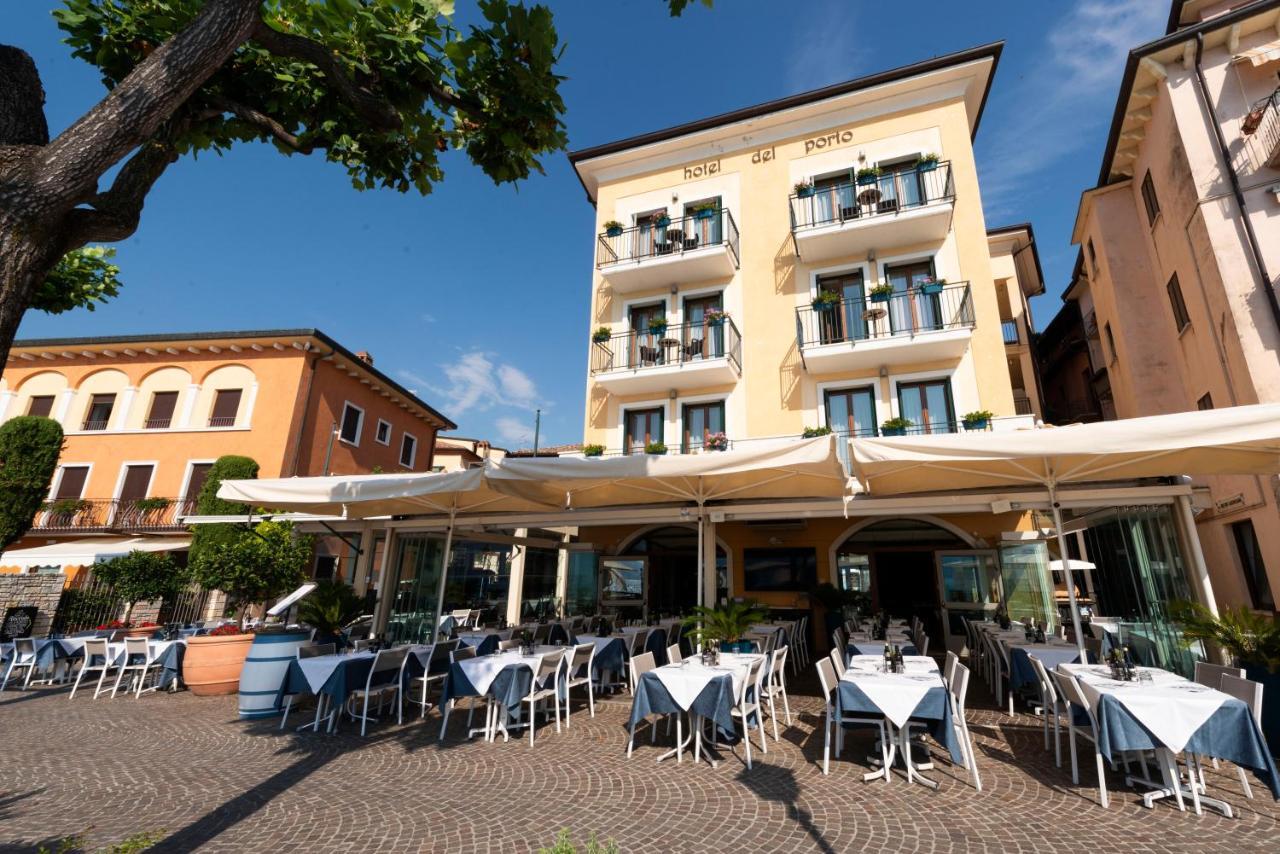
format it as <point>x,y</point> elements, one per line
<point>832,199</point>
<point>700,421</point>
<point>1024,576</point>
<point>969,583</point>
<point>642,427</point>
<point>845,322</point>
<point>927,405</point>
<point>414,591</point>
<point>702,341</point>
<point>646,349</point>
<point>702,230</point>
<point>909,309</point>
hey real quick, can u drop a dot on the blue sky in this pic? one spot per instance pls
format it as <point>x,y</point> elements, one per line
<point>477,296</point>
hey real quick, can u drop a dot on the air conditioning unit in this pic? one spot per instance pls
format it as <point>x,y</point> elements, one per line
<point>779,524</point>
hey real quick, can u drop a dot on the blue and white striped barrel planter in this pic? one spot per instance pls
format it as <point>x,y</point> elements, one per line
<point>264,671</point>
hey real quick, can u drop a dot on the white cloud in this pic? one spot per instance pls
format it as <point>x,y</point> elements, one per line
<point>477,382</point>
<point>513,431</point>
<point>427,317</point>
<point>517,386</point>
<point>826,49</point>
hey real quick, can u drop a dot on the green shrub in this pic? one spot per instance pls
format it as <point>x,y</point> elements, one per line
<point>812,432</point>
<point>564,845</point>
<point>208,503</point>
<point>29,449</point>
<point>330,607</point>
<point>141,577</point>
<point>253,565</point>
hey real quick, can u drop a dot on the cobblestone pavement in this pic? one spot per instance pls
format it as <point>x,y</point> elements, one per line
<point>187,768</point>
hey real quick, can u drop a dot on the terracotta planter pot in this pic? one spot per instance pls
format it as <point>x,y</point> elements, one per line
<point>139,632</point>
<point>211,667</point>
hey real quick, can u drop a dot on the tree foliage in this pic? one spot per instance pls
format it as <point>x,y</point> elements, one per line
<point>29,449</point>
<point>142,576</point>
<point>1252,638</point>
<point>255,565</point>
<point>727,623</point>
<point>82,279</point>
<point>228,467</point>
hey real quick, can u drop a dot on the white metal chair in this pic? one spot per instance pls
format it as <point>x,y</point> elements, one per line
<point>750,694</point>
<point>97,659</point>
<point>958,689</point>
<point>673,654</point>
<point>456,655</point>
<point>385,661</point>
<point>837,662</point>
<point>638,641</point>
<point>23,657</point>
<point>581,659</point>
<point>434,672</point>
<point>510,643</point>
<point>830,684</point>
<point>838,639</point>
<point>1050,704</point>
<point>640,665</point>
<point>135,649</point>
<point>361,645</point>
<point>922,643</point>
<point>1250,693</point>
<point>546,686</point>
<point>1069,689</point>
<point>776,685</point>
<point>801,644</point>
<point>1210,675</point>
<point>949,666</point>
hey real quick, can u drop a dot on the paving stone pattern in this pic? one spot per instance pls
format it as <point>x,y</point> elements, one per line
<point>185,766</point>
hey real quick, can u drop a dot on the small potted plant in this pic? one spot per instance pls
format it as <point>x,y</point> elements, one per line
<point>655,448</point>
<point>613,228</point>
<point>825,301</point>
<point>661,219</point>
<point>716,442</point>
<point>929,286</point>
<point>602,334</point>
<point>977,420</point>
<point>927,162</point>
<point>704,210</point>
<point>895,426</point>
<point>593,450</point>
<point>67,508</point>
<point>657,326</point>
<point>141,577</point>
<point>814,432</point>
<point>881,292</point>
<point>714,317</point>
<point>725,625</point>
<point>804,189</point>
<point>868,175</point>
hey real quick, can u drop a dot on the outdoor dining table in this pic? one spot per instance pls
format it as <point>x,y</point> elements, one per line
<point>330,678</point>
<point>611,651</point>
<point>483,642</point>
<point>50,651</point>
<point>1171,714</point>
<point>657,643</point>
<point>1022,674</point>
<point>876,648</point>
<point>705,693</point>
<point>505,676</point>
<point>918,694</point>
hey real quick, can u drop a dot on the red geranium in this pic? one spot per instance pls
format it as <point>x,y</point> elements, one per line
<point>229,629</point>
<point>114,624</point>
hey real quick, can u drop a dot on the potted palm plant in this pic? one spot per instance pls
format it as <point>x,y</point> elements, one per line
<point>895,426</point>
<point>881,292</point>
<point>613,228</point>
<point>977,420</point>
<point>328,609</point>
<point>1253,642</point>
<point>725,625</point>
<point>927,162</point>
<point>825,301</point>
<point>602,334</point>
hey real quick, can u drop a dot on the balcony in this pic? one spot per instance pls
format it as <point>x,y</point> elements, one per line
<point>897,209</point>
<point>1009,331</point>
<point>688,249</point>
<point>111,515</point>
<point>1263,123</point>
<point>683,356</point>
<point>858,334</point>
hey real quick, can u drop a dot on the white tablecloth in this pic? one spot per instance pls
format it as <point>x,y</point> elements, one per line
<point>482,670</point>
<point>317,669</point>
<point>914,664</point>
<point>686,680</point>
<point>155,648</point>
<point>1170,707</point>
<point>895,694</point>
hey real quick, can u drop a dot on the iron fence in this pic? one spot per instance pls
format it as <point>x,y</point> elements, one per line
<point>1262,122</point>
<point>677,236</point>
<point>679,344</point>
<point>880,195</point>
<point>85,515</point>
<point>904,313</point>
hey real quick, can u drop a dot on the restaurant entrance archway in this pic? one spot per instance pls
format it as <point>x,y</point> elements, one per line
<point>671,553</point>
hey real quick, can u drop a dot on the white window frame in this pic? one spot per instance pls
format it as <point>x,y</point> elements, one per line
<point>390,432</point>
<point>186,478</point>
<point>355,443</point>
<point>413,456</point>
<point>670,420</point>
<point>697,399</point>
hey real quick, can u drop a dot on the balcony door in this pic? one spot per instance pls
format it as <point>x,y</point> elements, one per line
<point>851,411</point>
<point>642,427</point>
<point>900,185</point>
<point>645,347</point>
<point>910,310</point>
<point>133,487</point>
<point>700,340</point>
<point>927,406</point>
<point>700,421</point>
<point>71,483</point>
<point>195,482</point>
<point>705,230</point>
<point>846,321</point>
<point>649,238</point>
<point>832,199</point>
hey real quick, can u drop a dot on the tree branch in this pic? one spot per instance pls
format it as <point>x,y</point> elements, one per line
<point>114,215</point>
<point>264,122</point>
<point>375,110</point>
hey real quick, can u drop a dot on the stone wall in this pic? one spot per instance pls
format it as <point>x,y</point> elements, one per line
<point>42,591</point>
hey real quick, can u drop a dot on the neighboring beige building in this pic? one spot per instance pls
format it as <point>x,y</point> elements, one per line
<point>1174,294</point>
<point>455,453</point>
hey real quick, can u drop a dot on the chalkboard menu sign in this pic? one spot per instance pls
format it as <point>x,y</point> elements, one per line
<point>18,622</point>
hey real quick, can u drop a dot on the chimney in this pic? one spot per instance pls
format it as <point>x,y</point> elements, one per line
<point>365,356</point>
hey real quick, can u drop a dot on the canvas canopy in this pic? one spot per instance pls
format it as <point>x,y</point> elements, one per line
<point>89,550</point>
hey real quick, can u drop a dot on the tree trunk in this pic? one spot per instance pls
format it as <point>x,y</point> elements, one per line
<point>26,258</point>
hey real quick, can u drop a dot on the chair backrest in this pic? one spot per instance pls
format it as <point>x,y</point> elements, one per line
<point>755,677</point>
<point>23,647</point>
<point>837,661</point>
<point>1069,689</point>
<point>922,643</point>
<point>135,646</point>
<point>460,614</point>
<point>1211,675</point>
<point>949,666</point>
<point>640,665</point>
<point>441,651</point>
<point>462,654</point>
<point>314,649</point>
<point>541,632</point>
<point>386,660</point>
<point>504,645</point>
<point>549,665</point>
<point>1093,646</point>
<point>580,656</point>
<point>1244,689</point>
<point>94,647</point>
<point>778,667</point>
<point>505,634</point>
<point>673,654</point>
<point>1048,694</point>
<point>958,685</point>
<point>361,645</point>
<point>827,676</point>
<point>837,638</point>
<point>638,641</point>
<point>473,617</point>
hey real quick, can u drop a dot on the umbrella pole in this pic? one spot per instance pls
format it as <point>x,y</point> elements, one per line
<point>1062,556</point>
<point>702,587</point>
<point>444,573</point>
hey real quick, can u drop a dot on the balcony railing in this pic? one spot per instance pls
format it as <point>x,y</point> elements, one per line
<point>222,421</point>
<point>1022,405</point>
<point>679,344</point>
<point>1263,123</point>
<point>1009,329</point>
<point>71,515</point>
<point>887,194</point>
<point>903,314</point>
<point>681,235</point>
<point>158,423</point>
<point>94,425</point>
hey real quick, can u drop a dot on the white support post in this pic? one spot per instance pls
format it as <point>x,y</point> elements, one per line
<point>1062,556</point>
<point>709,561</point>
<point>515,584</point>
<point>562,574</point>
<point>386,584</point>
<point>444,572</point>
<point>364,561</point>
<point>1197,570</point>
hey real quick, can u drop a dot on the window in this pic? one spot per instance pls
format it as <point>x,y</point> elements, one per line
<point>1180,318</point>
<point>1111,341</point>
<point>160,415</point>
<point>408,448</point>
<point>1205,402</point>
<point>40,405</point>
<point>911,310</point>
<point>352,423</point>
<point>195,482</point>
<point>779,569</point>
<point>641,427</point>
<point>135,482</point>
<point>71,482</point>
<point>700,421</point>
<point>326,567</point>
<point>851,411</point>
<point>848,321</point>
<point>226,404</point>
<point>1255,574</point>
<point>383,434</point>
<point>1149,199</point>
<point>927,405</point>
<point>99,413</point>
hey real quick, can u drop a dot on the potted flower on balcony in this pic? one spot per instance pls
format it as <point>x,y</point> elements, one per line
<point>704,210</point>
<point>814,432</point>
<point>656,448</point>
<point>661,219</point>
<point>868,175</point>
<point>895,426</point>
<point>657,326</point>
<point>804,189</point>
<point>593,450</point>
<point>714,317</point>
<point>602,334</point>
<point>825,301</point>
<point>927,162</point>
<point>977,420</point>
<point>613,228</point>
<point>67,508</point>
<point>929,286</point>
<point>881,292</point>
<point>716,442</point>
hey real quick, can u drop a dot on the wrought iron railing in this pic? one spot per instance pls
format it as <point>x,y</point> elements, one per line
<point>902,314</point>
<point>1262,122</point>
<point>679,344</point>
<point>883,195</point>
<point>1009,330</point>
<point>680,235</point>
<point>69,515</point>
<point>222,421</point>
<point>1022,405</point>
<point>94,425</point>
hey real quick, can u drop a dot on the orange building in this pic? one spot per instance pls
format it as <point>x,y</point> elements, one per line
<point>146,415</point>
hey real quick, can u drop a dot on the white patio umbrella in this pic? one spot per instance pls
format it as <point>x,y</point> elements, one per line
<point>1235,440</point>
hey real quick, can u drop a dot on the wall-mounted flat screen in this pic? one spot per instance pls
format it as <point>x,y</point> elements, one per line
<point>780,569</point>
